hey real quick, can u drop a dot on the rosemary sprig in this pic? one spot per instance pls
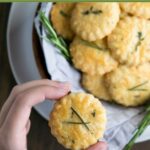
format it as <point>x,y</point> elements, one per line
<point>75,112</point>
<point>140,39</point>
<point>138,87</point>
<point>90,44</point>
<point>76,123</point>
<point>53,37</point>
<point>142,126</point>
<point>64,14</point>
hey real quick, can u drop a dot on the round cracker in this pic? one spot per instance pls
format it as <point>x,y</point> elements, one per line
<point>92,57</point>
<point>129,41</point>
<point>94,20</point>
<point>129,86</point>
<point>68,115</point>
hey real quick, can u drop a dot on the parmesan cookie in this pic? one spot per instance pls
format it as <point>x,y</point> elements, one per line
<point>139,9</point>
<point>129,86</point>
<point>94,20</point>
<point>78,120</point>
<point>60,17</point>
<point>95,84</point>
<point>129,41</point>
<point>92,57</point>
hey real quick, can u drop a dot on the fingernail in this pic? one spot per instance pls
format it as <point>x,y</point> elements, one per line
<point>64,88</point>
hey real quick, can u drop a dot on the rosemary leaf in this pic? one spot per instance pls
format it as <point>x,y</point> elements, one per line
<point>139,90</point>
<point>80,118</point>
<point>92,11</point>
<point>64,14</point>
<point>148,108</point>
<point>137,87</point>
<point>90,44</point>
<point>63,42</point>
<point>76,123</point>
<point>140,39</point>
<point>93,113</point>
<point>73,141</point>
<point>87,12</point>
<point>91,8</point>
<point>96,12</point>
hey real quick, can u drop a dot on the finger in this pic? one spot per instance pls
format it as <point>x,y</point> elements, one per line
<point>20,88</point>
<point>98,146</point>
<point>21,108</point>
<point>28,125</point>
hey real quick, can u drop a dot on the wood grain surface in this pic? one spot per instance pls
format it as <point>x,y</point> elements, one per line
<point>39,137</point>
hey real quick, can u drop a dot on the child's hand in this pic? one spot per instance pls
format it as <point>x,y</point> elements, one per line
<point>14,116</point>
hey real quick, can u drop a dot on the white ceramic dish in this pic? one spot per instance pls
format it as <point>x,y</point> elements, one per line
<point>20,52</point>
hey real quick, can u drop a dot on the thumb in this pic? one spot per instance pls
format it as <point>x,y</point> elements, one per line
<point>98,146</point>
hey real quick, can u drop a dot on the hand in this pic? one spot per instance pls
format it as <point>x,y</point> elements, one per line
<point>14,116</point>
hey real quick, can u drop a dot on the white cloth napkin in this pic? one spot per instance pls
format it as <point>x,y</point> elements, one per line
<point>122,122</point>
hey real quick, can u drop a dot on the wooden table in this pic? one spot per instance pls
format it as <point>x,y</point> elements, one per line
<point>39,137</point>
